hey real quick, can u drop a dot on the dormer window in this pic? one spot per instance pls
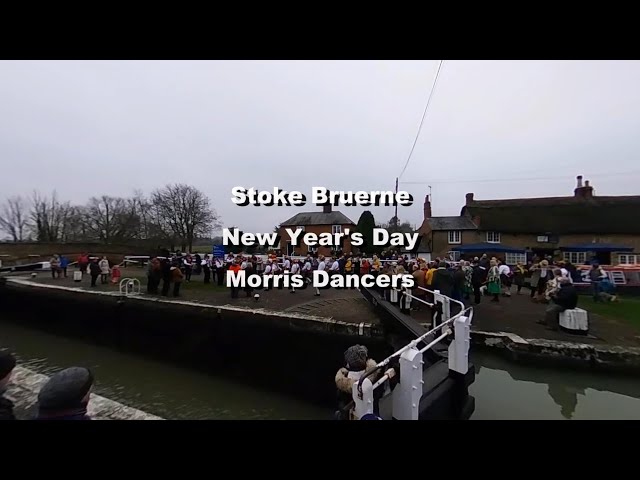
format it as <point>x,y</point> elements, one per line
<point>493,237</point>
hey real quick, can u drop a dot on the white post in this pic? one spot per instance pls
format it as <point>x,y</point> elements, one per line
<point>459,348</point>
<point>446,309</point>
<point>363,405</point>
<point>407,394</point>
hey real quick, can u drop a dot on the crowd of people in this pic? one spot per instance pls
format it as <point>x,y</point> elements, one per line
<point>65,395</point>
<point>85,264</point>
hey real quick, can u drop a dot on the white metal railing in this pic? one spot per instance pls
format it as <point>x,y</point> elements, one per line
<point>129,286</point>
<point>407,394</point>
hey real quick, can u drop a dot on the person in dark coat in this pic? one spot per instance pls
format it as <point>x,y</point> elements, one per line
<point>443,280</point>
<point>95,271</point>
<point>458,282</point>
<point>566,298</point>
<point>478,278</point>
<point>197,267</point>
<point>7,364</point>
<point>206,268</point>
<point>165,268</point>
<point>66,395</point>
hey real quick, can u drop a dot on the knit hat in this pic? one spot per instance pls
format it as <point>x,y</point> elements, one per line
<point>356,357</point>
<point>370,416</point>
<point>7,363</point>
<point>66,389</point>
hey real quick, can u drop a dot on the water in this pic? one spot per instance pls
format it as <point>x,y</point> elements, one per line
<point>503,390</point>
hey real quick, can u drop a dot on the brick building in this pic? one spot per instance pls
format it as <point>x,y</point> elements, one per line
<point>578,228</point>
<point>327,221</point>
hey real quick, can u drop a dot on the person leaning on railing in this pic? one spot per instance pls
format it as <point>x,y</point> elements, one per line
<point>357,362</point>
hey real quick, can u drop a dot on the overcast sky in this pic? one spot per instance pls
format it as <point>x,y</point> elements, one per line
<point>109,127</point>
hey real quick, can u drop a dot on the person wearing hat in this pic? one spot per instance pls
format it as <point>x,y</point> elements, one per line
<point>66,395</point>
<point>357,362</point>
<point>7,364</point>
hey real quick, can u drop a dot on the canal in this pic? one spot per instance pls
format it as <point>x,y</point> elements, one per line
<point>503,390</point>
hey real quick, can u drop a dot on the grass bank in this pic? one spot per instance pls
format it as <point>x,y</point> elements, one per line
<point>627,309</point>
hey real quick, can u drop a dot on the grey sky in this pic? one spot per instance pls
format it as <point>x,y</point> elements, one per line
<point>88,128</point>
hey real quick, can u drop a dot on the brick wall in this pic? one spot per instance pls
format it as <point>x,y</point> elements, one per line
<point>302,249</point>
<point>440,244</point>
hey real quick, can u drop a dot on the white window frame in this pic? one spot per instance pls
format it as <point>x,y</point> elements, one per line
<point>336,229</point>
<point>454,255</point>
<point>451,236</point>
<point>300,228</point>
<point>491,237</point>
<point>543,239</point>
<point>576,258</point>
<point>511,258</point>
<point>629,258</point>
<point>313,248</point>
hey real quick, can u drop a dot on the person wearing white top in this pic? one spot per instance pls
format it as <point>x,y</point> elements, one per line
<point>505,278</point>
<point>277,270</point>
<point>295,268</point>
<point>306,270</point>
<point>565,273</point>
<point>321,267</point>
<point>287,264</point>
<point>267,275</point>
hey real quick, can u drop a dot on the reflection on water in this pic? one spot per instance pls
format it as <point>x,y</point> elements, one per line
<point>155,387</point>
<point>509,391</point>
<point>503,390</point>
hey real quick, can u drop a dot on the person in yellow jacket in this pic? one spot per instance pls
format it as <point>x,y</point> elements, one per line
<point>375,265</point>
<point>429,274</point>
<point>348,266</point>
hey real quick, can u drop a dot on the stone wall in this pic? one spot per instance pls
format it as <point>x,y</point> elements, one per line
<point>25,385</point>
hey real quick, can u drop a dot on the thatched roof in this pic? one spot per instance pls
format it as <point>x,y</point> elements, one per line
<point>557,215</point>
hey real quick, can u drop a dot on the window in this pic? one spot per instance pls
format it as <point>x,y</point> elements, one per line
<point>454,236</point>
<point>313,249</point>
<point>454,256</point>
<point>626,259</point>
<point>577,258</point>
<point>514,258</point>
<point>336,229</point>
<point>493,237</point>
<point>300,228</point>
<point>543,238</point>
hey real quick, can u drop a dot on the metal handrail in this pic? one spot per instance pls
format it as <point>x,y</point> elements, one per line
<point>413,297</point>
<point>450,299</point>
<point>412,344</point>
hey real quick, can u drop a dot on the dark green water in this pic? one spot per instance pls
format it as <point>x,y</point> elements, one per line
<point>503,390</point>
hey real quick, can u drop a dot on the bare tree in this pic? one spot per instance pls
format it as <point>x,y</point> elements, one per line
<point>111,219</point>
<point>184,211</point>
<point>14,218</point>
<point>48,216</point>
<point>75,226</point>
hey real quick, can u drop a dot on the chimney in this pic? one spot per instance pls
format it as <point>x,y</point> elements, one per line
<point>581,191</point>
<point>427,207</point>
<point>469,197</point>
<point>326,208</point>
